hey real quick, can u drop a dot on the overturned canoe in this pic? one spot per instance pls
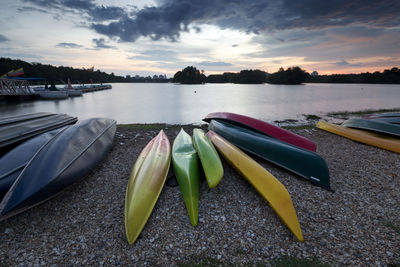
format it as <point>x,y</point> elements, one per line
<point>23,117</point>
<point>370,138</point>
<point>273,191</point>
<point>12,163</point>
<point>300,161</point>
<point>373,125</point>
<point>383,115</point>
<point>186,168</point>
<point>209,158</point>
<point>18,130</point>
<point>395,120</point>
<point>59,163</point>
<point>264,128</point>
<point>145,184</point>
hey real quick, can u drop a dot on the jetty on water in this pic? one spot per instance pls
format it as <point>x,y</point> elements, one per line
<point>19,88</point>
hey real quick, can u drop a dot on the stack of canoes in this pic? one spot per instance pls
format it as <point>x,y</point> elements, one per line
<point>193,155</point>
<point>43,166</point>
<point>18,128</point>
<point>381,131</point>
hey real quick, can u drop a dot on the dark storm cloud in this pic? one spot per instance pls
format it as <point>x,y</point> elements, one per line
<point>88,7</point>
<point>172,17</point>
<point>68,45</point>
<point>101,44</point>
<point>3,38</point>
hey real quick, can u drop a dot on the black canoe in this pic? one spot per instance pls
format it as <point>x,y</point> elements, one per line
<point>297,160</point>
<point>12,163</point>
<point>18,130</point>
<point>61,162</point>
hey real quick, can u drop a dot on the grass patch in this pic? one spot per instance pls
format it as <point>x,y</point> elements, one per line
<point>299,127</point>
<point>289,261</point>
<point>150,126</point>
<point>284,261</point>
<point>202,261</point>
<point>392,226</point>
<point>286,121</point>
<point>240,251</point>
<point>361,112</point>
<point>311,117</point>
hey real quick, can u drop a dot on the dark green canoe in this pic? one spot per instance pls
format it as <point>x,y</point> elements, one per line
<point>373,125</point>
<point>300,161</point>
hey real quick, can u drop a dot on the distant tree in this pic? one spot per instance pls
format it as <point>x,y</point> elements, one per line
<point>189,75</point>
<point>387,76</point>
<point>250,77</point>
<point>292,75</point>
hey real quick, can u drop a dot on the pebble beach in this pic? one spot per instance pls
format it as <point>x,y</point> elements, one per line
<point>357,225</point>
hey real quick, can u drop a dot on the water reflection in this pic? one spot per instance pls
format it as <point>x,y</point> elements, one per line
<point>174,103</point>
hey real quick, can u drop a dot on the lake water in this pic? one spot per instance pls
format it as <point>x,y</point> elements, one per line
<point>185,104</point>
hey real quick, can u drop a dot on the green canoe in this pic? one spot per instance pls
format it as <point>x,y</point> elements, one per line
<point>209,158</point>
<point>185,164</point>
<point>300,161</point>
<point>373,125</point>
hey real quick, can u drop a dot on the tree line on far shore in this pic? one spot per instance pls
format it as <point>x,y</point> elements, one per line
<point>62,74</point>
<point>292,75</point>
<point>191,75</point>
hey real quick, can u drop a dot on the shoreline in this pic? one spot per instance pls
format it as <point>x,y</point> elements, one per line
<point>356,225</point>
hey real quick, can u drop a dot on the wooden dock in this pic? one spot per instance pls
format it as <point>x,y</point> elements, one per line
<point>13,89</point>
<point>93,88</point>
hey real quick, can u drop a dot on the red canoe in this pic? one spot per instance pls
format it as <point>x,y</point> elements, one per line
<point>264,128</point>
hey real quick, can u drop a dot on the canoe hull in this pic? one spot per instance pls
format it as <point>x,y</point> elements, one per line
<point>12,163</point>
<point>395,120</point>
<point>369,138</point>
<point>59,163</point>
<point>186,168</point>
<point>209,158</point>
<point>373,125</point>
<point>145,184</point>
<point>20,130</point>
<point>264,182</point>
<point>299,161</point>
<point>264,128</point>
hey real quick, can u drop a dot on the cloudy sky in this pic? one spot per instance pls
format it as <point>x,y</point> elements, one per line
<point>163,36</point>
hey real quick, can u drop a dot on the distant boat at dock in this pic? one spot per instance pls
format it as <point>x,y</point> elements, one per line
<point>58,94</point>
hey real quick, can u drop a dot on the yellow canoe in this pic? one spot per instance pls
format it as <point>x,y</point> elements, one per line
<point>273,191</point>
<point>145,184</point>
<point>366,137</point>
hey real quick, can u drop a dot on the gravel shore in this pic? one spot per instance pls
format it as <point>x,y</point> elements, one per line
<point>358,224</point>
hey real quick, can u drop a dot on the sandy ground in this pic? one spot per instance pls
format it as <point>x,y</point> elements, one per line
<point>357,225</point>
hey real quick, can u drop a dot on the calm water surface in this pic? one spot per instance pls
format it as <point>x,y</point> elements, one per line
<point>184,104</point>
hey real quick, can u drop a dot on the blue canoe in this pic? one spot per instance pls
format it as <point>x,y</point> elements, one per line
<point>12,163</point>
<point>68,157</point>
